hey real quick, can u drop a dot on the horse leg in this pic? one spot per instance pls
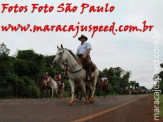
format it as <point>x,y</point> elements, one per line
<point>62,90</point>
<point>92,95</point>
<point>41,93</point>
<point>84,91</point>
<point>56,92</point>
<point>80,96</point>
<point>47,92</point>
<point>52,92</point>
<point>93,90</point>
<point>105,90</point>
<point>61,93</point>
<point>72,84</point>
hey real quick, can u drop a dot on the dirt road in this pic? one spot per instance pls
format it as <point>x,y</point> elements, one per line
<point>131,108</point>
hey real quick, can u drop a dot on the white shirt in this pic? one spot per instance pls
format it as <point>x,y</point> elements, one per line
<point>83,48</point>
<point>104,78</point>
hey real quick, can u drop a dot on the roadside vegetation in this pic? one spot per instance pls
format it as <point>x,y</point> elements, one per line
<point>161,106</point>
<point>159,79</point>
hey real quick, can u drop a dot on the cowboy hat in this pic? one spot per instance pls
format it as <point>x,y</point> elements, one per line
<point>82,36</point>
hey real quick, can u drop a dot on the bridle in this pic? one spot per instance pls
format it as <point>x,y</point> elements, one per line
<point>61,56</point>
<point>72,65</point>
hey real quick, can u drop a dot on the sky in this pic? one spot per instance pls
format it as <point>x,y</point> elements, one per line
<point>130,51</point>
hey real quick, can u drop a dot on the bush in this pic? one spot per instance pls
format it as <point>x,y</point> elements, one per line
<point>32,89</point>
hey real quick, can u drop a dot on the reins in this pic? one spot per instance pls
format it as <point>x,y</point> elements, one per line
<point>75,71</point>
<point>74,66</point>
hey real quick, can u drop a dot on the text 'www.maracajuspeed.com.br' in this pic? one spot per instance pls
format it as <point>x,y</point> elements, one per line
<point>77,28</point>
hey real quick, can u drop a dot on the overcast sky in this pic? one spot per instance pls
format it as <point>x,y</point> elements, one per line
<point>130,51</point>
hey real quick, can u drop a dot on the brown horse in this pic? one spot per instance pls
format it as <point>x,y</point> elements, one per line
<point>134,92</point>
<point>142,92</point>
<point>43,86</point>
<point>102,86</point>
<point>124,91</point>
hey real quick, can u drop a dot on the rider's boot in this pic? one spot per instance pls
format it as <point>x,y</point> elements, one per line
<point>89,73</point>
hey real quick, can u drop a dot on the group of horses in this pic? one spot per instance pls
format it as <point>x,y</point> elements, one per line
<point>80,86</point>
<point>51,85</point>
<point>133,91</point>
<point>77,78</point>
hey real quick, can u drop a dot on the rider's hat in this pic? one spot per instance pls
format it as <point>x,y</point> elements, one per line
<point>46,73</point>
<point>82,36</point>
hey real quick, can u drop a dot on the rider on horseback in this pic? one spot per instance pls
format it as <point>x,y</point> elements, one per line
<point>46,76</point>
<point>104,79</point>
<point>83,52</point>
<point>104,82</point>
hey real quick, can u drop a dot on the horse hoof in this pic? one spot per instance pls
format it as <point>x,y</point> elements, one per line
<point>87,102</point>
<point>92,100</point>
<point>70,103</point>
<point>80,99</point>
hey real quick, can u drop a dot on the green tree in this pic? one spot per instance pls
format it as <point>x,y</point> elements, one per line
<point>125,80</point>
<point>132,84</point>
<point>159,78</point>
<point>29,63</point>
<point>4,49</point>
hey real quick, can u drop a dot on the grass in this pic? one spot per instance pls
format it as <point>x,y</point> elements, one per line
<point>161,106</point>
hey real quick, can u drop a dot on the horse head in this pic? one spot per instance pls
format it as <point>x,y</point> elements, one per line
<point>49,79</point>
<point>60,56</point>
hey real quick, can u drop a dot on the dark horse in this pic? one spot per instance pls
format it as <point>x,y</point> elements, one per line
<point>102,86</point>
<point>124,91</point>
<point>43,86</point>
<point>78,91</point>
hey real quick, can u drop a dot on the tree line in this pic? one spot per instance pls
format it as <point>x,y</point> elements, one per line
<point>18,74</point>
<point>159,79</point>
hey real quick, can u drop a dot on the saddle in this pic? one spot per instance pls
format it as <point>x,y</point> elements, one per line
<point>84,64</point>
<point>93,66</point>
<point>60,86</point>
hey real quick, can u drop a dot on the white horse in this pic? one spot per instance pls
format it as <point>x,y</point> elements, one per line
<point>55,87</point>
<point>76,73</point>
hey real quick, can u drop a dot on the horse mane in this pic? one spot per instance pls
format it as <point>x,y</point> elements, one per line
<point>73,55</point>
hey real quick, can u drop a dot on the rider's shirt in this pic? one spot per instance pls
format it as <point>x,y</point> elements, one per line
<point>83,48</point>
<point>104,78</point>
<point>46,77</point>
